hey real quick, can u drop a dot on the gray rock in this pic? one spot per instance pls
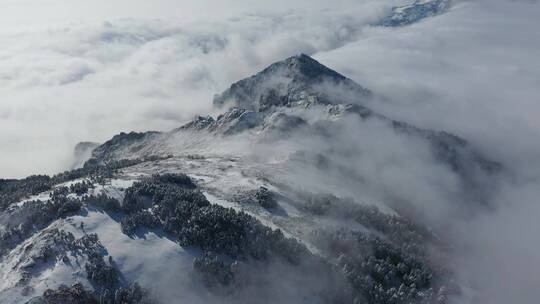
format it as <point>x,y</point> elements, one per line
<point>414,12</point>
<point>298,79</point>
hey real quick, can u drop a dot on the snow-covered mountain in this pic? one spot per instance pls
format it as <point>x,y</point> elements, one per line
<point>414,12</point>
<point>292,195</point>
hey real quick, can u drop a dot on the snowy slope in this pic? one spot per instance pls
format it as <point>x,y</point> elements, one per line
<point>414,12</point>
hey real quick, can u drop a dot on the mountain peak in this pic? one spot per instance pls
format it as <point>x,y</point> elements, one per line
<point>305,66</point>
<point>301,57</point>
<point>300,60</point>
<point>298,79</point>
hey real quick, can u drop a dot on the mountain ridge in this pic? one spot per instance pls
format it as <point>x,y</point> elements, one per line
<point>279,110</point>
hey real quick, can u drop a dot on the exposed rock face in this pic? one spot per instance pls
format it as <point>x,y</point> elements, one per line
<point>132,142</point>
<point>262,196</point>
<point>199,123</point>
<point>299,79</point>
<point>282,122</point>
<point>237,120</point>
<point>414,12</point>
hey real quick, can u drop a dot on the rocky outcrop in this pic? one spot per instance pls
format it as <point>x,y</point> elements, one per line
<point>297,80</point>
<point>262,197</point>
<point>128,143</point>
<point>414,12</point>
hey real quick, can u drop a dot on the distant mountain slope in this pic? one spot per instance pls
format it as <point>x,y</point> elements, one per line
<point>414,12</point>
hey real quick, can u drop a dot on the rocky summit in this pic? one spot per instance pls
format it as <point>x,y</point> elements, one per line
<point>293,81</point>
